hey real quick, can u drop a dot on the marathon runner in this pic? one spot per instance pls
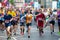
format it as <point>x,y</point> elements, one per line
<point>7,20</point>
<point>14,21</point>
<point>22,21</point>
<point>29,17</point>
<point>1,19</point>
<point>40,18</point>
<point>51,21</point>
<point>58,18</point>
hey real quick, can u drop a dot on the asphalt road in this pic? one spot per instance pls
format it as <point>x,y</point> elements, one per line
<point>34,34</point>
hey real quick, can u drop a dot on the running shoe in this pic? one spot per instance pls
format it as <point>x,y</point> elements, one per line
<point>8,38</point>
<point>42,31</point>
<point>28,36</point>
<point>14,33</point>
<point>27,31</point>
<point>51,32</point>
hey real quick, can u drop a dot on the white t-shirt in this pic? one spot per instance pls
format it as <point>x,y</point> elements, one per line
<point>52,17</point>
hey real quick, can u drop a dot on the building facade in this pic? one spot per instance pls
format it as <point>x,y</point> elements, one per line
<point>19,3</point>
<point>46,3</point>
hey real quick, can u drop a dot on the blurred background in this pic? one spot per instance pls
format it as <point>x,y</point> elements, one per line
<point>54,4</point>
<point>44,3</point>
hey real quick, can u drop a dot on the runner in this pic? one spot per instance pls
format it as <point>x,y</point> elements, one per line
<point>36,13</point>
<point>22,21</point>
<point>58,18</point>
<point>51,21</point>
<point>18,16</point>
<point>1,19</point>
<point>7,19</point>
<point>14,21</point>
<point>46,16</point>
<point>29,21</point>
<point>40,18</point>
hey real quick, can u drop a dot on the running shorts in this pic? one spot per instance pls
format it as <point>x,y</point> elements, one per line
<point>7,24</point>
<point>13,22</point>
<point>59,24</point>
<point>28,24</point>
<point>40,23</point>
<point>52,22</point>
<point>22,24</point>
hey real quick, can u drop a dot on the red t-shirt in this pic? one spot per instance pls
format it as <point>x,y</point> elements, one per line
<point>39,19</point>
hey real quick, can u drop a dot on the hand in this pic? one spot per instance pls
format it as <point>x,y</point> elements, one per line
<point>11,19</point>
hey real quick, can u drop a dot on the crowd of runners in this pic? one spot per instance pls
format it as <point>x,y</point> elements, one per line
<point>11,17</point>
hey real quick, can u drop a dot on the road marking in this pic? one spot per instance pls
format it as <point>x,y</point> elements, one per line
<point>11,37</point>
<point>59,39</point>
<point>14,38</point>
<point>3,36</point>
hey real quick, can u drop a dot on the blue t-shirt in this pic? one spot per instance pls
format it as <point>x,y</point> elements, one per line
<point>7,17</point>
<point>22,18</point>
<point>1,18</point>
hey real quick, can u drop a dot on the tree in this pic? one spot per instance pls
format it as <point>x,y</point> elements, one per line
<point>11,1</point>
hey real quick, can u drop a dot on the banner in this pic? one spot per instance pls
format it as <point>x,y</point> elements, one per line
<point>36,5</point>
<point>54,4</point>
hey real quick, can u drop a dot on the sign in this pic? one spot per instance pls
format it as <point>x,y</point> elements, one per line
<point>36,5</point>
<point>54,4</point>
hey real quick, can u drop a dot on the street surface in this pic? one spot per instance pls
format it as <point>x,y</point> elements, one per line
<point>34,34</point>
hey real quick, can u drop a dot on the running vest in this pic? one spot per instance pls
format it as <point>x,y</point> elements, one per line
<point>51,17</point>
<point>12,13</point>
<point>28,18</point>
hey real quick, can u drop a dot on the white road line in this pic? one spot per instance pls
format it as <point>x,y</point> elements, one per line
<point>14,38</point>
<point>6,37</point>
<point>59,39</point>
<point>3,36</point>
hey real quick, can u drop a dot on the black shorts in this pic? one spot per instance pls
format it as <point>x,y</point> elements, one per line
<point>7,24</point>
<point>59,24</point>
<point>13,22</point>
<point>28,24</point>
<point>52,22</point>
<point>22,24</point>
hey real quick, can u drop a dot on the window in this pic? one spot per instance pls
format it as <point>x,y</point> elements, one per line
<point>55,0</point>
<point>35,0</point>
<point>58,0</point>
<point>0,0</point>
<point>27,1</point>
